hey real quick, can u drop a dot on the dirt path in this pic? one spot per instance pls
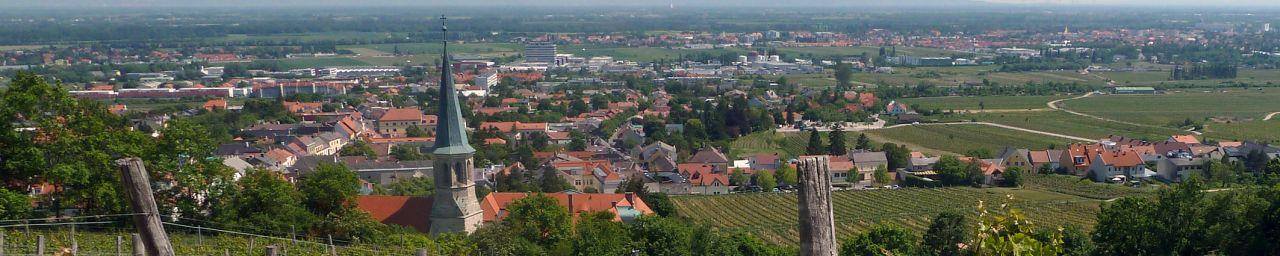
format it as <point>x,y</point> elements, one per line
<point>1269,116</point>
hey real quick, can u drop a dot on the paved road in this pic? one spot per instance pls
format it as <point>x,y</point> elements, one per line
<point>1269,116</point>
<point>1059,135</point>
<point>1054,105</point>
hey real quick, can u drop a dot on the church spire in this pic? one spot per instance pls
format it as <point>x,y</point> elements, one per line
<point>451,134</point>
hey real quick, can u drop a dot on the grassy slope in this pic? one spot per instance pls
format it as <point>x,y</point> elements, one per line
<point>962,138</point>
<point>1175,106</point>
<point>773,216</point>
<point>1065,123</point>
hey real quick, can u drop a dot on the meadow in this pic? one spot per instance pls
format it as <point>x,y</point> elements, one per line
<point>773,216</point>
<point>1156,78</point>
<point>955,75</point>
<point>959,139</point>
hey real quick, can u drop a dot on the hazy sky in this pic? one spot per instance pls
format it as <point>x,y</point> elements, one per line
<point>700,3</point>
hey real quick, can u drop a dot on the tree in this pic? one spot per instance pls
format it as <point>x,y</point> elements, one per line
<point>329,188</point>
<point>864,143</point>
<point>358,148</point>
<point>598,234</point>
<point>844,75</point>
<point>838,147</point>
<point>1012,177</point>
<point>738,178</point>
<point>660,203</point>
<point>662,236</point>
<point>766,181</point>
<point>951,170</point>
<point>14,205</point>
<point>946,232</point>
<point>881,240</point>
<point>786,174</point>
<point>551,182</point>
<point>815,144</point>
<point>415,131</point>
<point>898,156</point>
<point>407,152</point>
<point>882,175</point>
<point>539,218</point>
<point>266,201</point>
<point>412,186</point>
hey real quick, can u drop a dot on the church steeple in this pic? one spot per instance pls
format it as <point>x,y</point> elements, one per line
<point>451,134</point>
<point>454,207</point>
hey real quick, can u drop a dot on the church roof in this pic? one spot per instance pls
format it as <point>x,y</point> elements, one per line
<point>451,134</point>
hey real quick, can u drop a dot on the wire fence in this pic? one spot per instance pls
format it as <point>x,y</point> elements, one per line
<point>113,235</point>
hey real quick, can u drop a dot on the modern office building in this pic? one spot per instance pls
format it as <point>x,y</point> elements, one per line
<point>543,52</point>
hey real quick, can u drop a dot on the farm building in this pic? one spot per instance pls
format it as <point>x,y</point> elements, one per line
<point>1133,90</point>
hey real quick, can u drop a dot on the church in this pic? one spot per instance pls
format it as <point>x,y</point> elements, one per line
<point>454,208</point>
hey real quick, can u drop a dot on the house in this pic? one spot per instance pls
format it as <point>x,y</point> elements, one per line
<point>992,169</point>
<point>303,107</point>
<point>1078,157</point>
<point>1106,165</point>
<point>868,161</point>
<point>591,176</point>
<point>1133,90</point>
<point>1188,139</point>
<point>1040,158</point>
<point>896,108</point>
<point>704,179</point>
<point>711,156</point>
<point>764,162</point>
<point>215,104</point>
<point>844,170</point>
<point>1177,169</point>
<point>1016,157</point>
<point>373,171</point>
<point>922,163</point>
<point>396,121</point>
<point>516,129</point>
<point>625,207</point>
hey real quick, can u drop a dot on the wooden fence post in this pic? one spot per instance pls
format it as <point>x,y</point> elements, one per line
<point>40,245</point>
<point>422,252</point>
<point>75,245</point>
<point>1,242</point>
<point>271,250</point>
<point>119,246</point>
<point>138,187</point>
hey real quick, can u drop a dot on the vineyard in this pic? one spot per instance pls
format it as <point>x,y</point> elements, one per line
<point>100,238</point>
<point>772,216</point>
<point>1077,186</point>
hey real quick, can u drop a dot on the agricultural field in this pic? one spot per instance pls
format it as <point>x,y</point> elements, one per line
<point>95,240</point>
<point>789,144</point>
<point>434,48</point>
<point>1154,78</point>
<point>1177,105</point>
<point>1078,186</point>
<point>822,52</point>
<point>772,216</point>
<point>989,102</point>
<point>294,63</point>
<point>1069,124</point>
<point>959,139</point>
<point>946,76</point>
<point>1266,131</point>
<point>306,37</point>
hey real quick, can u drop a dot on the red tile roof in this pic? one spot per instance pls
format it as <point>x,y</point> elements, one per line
<point>1124,158</point>
<point>495,204</point>
<point>413,212</point>
<point>403,114</point>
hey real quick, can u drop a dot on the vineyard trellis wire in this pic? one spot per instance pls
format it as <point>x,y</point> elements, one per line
<point>111,234</point>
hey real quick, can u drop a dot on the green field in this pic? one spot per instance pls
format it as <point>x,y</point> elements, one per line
<point>1069,124</point>
<point>1154,78</point>
<point>962,138</point>
<point>910,76</point>
<point>308,37</point>
<point>1177,105</point>
<point>990,102</point>
<point>773,216</point>
<point>1266,131</point>
<point>789,144</point>
<point>434,48</point>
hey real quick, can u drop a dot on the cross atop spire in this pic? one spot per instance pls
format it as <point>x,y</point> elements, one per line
<point>451,132</point>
